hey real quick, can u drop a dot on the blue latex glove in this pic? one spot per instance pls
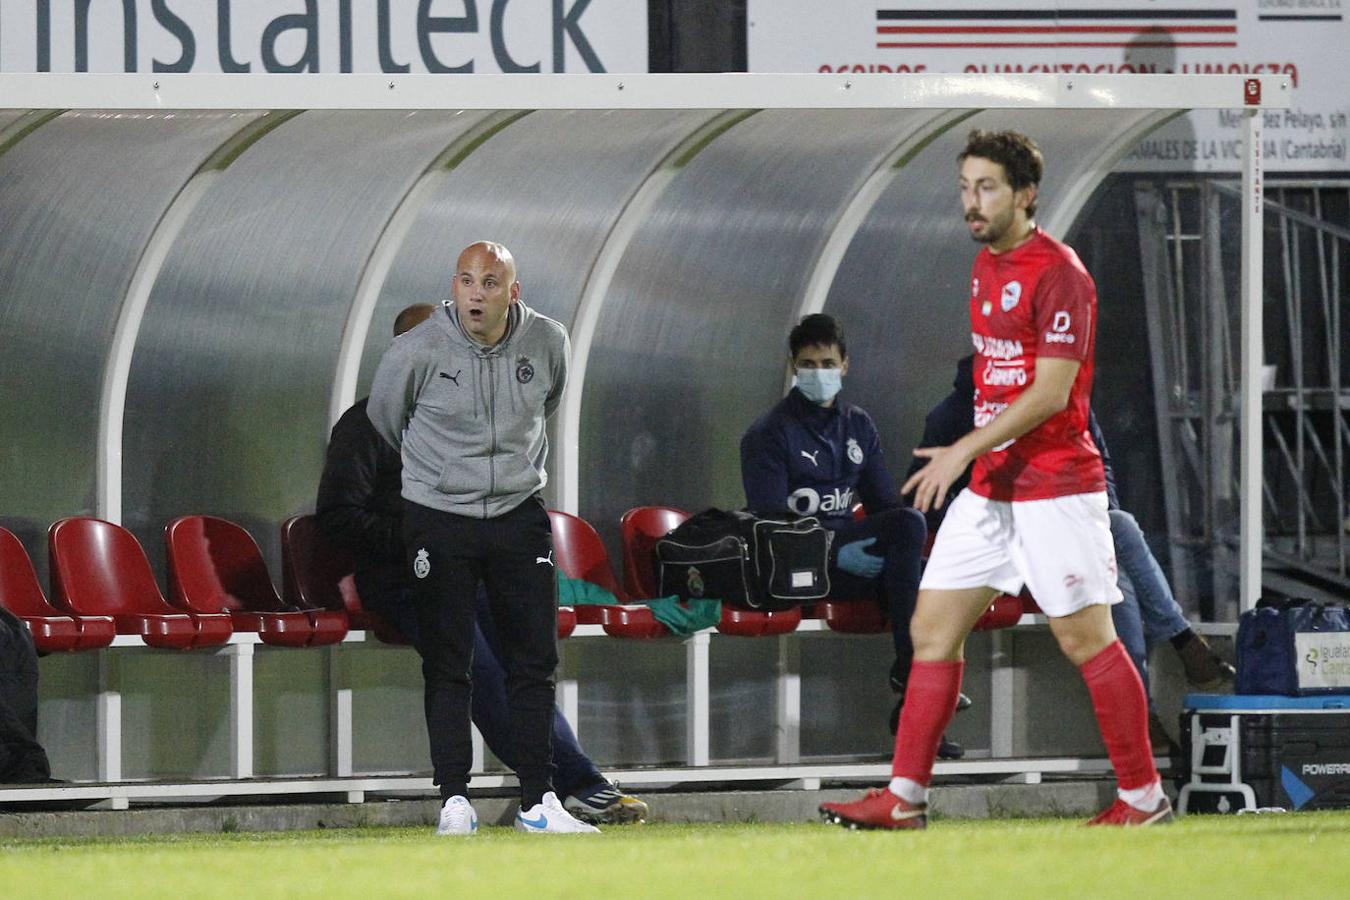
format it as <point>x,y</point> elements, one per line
<point>855,560</point>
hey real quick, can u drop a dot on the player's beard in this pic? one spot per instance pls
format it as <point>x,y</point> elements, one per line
<point>994,228</point>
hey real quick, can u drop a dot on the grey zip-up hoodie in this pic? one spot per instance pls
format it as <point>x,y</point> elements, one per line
<point>468,418</point>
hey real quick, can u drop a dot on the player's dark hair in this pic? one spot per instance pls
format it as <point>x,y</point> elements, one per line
<point>1018,155</point>
<point>817,330</point>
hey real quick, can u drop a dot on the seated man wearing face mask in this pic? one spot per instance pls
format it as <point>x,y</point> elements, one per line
<point>817,456</point>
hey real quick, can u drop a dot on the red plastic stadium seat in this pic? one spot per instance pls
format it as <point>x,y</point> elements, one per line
<point>589,614</point>
<point>99,569</point>
<point>642,527</point>
<point>861,616</point>
<point>567,621</point>
<point>752,623</point>
<point>317,574</point>
<point>1029,604</point>
<point>52,630</point>
<point>215,566</point>
<point>1002,613</point>
<point>581,554</point>
<point>632,620</point>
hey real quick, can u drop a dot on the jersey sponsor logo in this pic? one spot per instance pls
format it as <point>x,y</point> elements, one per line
<point>1004,374</point>
<point>987,411</point>
<point>422,564</point>
<point>544,559</point>
<point>855,453</point>
<point>807,502</point>
<point>1059,330</point>
<point>1012,293</point>
<point>455,377</point>
<point>996,348</point>
<point>812,457</point>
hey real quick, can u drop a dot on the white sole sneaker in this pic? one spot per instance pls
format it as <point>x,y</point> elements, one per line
<point>549,817</point>
<point>457,817</point>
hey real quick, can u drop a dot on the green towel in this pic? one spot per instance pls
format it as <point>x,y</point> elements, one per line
<point>681,618</point>
<point>685,618</point>
<point>577,592</point>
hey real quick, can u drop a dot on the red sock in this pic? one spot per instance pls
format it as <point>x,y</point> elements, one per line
<point>1122,715</point>
<point>930,703</point>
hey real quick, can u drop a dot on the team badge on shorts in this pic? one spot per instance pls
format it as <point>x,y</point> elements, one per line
<point>1012,292</point>
<point>524,370</point>
<point>422,564</point>
<point>855,453</point>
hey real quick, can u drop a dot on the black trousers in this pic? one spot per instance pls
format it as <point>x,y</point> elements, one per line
<point>512,556</point>
<point>900,535</point>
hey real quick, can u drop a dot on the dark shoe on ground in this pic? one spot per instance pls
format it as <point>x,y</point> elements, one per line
<point>605,804</point>
<point>1162,742</point>
<point>1123,814</point>
<point>878,808</point>
<point>962,702</point>
<point>1205,669</point>
<point>946,749</point>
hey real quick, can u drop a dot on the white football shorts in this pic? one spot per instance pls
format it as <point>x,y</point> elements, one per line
<point>1060,548</point>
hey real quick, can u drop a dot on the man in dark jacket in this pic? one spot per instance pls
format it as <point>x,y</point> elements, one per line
<point>814,455</point>
<point>22,759</point>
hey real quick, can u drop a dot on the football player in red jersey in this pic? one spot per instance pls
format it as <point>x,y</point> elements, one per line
<point>1035,510</point>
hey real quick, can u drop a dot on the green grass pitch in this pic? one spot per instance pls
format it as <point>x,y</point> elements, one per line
<point>1294,855</point>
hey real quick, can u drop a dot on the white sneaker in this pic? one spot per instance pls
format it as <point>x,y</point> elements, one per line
<point>457,817</point>
<point>549,817</point>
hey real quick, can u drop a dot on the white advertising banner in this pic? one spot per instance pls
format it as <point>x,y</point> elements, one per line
<point>1322,659</point>
<point>390,36</point>
<point>1305,40</point>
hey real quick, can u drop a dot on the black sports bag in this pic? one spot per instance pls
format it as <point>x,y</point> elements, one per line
<point>746,561</point>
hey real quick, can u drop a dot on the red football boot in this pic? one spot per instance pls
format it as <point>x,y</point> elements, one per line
<point>878,808</point>
<point>1122,813</point>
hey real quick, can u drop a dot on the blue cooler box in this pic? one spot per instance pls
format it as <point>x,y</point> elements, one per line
<point>1249,751</point>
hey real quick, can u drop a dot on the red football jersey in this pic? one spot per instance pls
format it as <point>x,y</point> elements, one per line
<point>1034,300</point>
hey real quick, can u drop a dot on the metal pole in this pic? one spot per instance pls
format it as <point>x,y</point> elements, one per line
<point>1251,531</point>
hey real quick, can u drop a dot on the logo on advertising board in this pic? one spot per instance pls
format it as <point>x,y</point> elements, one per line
<point>1316,780</point>
<point>1298,41</point>
<point>1322,659</point>
<point>264,36</point>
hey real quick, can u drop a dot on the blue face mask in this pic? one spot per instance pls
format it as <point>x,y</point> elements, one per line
<point>819,385</point>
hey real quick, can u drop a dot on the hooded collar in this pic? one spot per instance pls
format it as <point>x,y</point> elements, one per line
<point>518,318</point>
